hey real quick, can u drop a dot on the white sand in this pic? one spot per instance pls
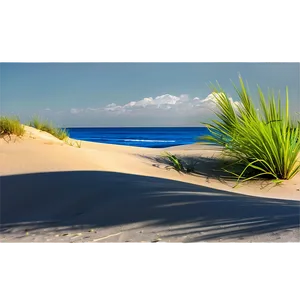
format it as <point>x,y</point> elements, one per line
<point>130,207</point>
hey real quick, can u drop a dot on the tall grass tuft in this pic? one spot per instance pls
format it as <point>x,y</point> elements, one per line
<point>46,126</point>
<point>9,126</point>
<point>176,163</point>
<point>264,142</point>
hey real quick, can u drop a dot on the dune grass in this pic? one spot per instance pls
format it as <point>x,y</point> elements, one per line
<point>11,126</point>
<point>73,143</point>
<point>175,162</point>
<point>264,142</point>
<point>179,164</point>
<point>46,126</point>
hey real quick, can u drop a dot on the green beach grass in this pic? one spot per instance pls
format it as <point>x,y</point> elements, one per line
<point>264,142</point>
<point>73,143</point>
<point>11,126</point>
<point>180,164</point>
<point>46,126</point>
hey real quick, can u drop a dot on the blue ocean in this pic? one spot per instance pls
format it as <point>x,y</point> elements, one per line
<point>149,137</point>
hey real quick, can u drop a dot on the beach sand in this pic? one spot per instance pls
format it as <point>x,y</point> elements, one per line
<point>54,192</point>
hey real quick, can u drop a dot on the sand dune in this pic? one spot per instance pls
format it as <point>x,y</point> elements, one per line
<point>126,193</point>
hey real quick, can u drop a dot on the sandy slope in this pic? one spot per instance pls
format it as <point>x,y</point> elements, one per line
<point>30,159</point>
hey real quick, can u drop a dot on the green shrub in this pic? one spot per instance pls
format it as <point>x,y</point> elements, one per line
<point>265,142</point>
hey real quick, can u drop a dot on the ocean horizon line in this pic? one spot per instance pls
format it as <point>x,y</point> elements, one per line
<point>133,127</point>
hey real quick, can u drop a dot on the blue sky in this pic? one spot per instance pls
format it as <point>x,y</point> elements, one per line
<point>132,94</point>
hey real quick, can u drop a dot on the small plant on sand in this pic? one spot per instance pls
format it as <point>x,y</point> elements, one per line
<point>180,165</point>
<point>9,126</point>
<point>78,144</point>
<point>175,162</point>
<point>61,133</point>
<point>73,143</point>
<point>264,142</point>
<point>46,126</point>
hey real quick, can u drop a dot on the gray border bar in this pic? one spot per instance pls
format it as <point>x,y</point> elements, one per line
<point>170,58</point>
<point>203,58</point>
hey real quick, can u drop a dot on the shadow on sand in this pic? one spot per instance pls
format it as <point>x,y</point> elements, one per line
<point>211,168</point>
<point>96,199</point>
<point>208,167</point>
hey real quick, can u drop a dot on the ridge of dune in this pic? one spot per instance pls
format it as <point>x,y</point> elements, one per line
<point>31,132</point>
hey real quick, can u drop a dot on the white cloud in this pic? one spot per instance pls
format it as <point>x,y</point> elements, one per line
<point>211,99</point>
<point>76,110</point>
<point>170,104</point>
